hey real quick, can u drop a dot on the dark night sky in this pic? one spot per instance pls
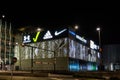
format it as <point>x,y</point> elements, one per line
<point>87,19</point>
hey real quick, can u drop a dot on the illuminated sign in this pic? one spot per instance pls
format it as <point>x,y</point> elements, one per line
<point>81,39</point>
<point>26,39</point>
<point>44,35</point>
<point>74,65</point>
<point>71,32</point>
<point>36,37</point>
<point>77,36</point>
<point>48,35</point>
<point>60,32</point>
<point>93,45</point>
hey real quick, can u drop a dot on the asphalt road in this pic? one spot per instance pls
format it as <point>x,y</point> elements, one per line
<point>22,75</point>
<point>42,78</point>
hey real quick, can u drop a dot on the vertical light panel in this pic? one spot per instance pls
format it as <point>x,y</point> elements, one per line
<point>0,39</point>
<point>5,41</point>
<point>10,43</point>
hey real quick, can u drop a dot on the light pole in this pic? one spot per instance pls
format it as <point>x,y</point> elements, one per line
<point>101,66</point>
<point>99,36</point>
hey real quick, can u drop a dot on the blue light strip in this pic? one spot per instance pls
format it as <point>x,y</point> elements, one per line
<point>71,32</point>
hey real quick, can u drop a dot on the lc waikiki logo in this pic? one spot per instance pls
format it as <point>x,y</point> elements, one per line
<point>36,37</point>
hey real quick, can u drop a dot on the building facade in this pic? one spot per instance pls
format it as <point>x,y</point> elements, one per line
<point>6,44</point>
<point>59,49</point>
<point>111,57</point>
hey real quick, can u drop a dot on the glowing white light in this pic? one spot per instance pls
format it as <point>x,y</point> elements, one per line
<point>76,27</point>
<point>16,43</point>
<point>38,29</point>
<point>98,29</point>
<point>3,16</point>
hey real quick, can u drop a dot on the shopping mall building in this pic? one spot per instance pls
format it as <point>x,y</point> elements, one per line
<point>59,49</point>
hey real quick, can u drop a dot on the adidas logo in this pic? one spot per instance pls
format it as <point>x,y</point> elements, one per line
<point>47,35</point>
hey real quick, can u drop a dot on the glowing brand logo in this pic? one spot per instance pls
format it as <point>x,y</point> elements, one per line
<point>36,37</point>
<point>26,39</point>
<point>93,45</point>
<point>81,39</point>
<point>60,32</point>
<point>47,35</point>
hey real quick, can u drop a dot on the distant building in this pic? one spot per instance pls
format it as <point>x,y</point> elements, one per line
<point>111,57</point>
<point>6,43</point>
<point>59,49</point>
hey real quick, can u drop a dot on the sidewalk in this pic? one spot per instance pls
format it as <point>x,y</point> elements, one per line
<point>59,75</point>
<point>35,74</point>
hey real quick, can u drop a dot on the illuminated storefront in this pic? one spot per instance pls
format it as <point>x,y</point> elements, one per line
<point>57,49</point>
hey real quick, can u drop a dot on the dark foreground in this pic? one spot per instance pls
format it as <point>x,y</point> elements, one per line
<point>24,75</point>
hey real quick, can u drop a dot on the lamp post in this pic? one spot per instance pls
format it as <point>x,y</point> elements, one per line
<point>99,36</point>
<point>101,66</point>
<point>54,64</point>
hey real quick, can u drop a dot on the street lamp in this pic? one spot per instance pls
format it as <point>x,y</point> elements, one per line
<point>38,29</point>
<point>99,36</point>
<point>101,66</point>
<point>3,16</point>
<point>76,27</point>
